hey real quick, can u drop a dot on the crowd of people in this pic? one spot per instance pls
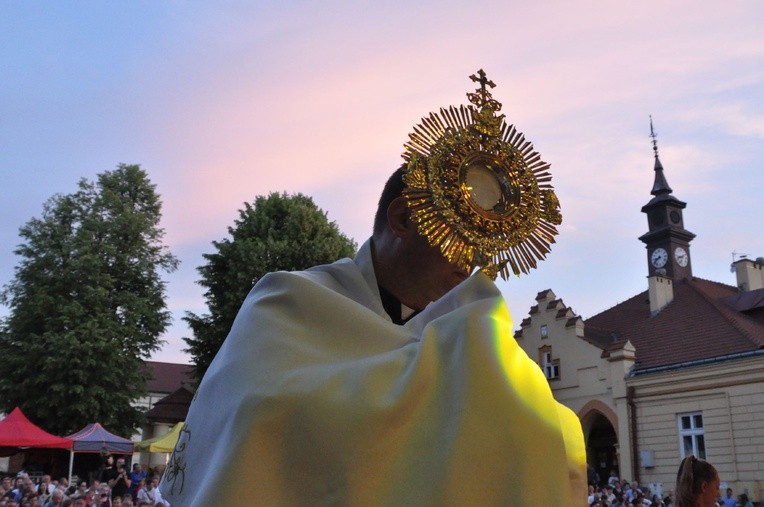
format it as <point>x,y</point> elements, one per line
<point>115,486</point>
<point>622,493</point>
<point>697,485</point>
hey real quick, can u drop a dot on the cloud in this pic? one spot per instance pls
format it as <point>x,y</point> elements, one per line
<point>736,118</point>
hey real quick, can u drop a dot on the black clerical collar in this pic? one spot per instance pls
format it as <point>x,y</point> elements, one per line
<point>394,307</point>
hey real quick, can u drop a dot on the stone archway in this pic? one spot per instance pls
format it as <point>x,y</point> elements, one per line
<point>599,422</point>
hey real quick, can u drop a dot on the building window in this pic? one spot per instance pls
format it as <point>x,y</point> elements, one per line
<point>692,435</point>
<point>544,330</point>
<point>550,366</point>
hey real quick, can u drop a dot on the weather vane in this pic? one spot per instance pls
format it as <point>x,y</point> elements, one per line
<point>478,190</point>
<point>654,136</point>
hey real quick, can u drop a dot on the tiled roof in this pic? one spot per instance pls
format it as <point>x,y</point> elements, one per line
<point>751,303</point>
<point>696,325</point>
<point>173,408</point>
<point>167,377</point>
<point>572,321</point>
<point>601,338</point>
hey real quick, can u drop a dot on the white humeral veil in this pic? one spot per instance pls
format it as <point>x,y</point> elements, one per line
<point>317,398</point>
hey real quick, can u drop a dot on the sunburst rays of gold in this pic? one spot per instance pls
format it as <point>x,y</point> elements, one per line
<point>510,236</point>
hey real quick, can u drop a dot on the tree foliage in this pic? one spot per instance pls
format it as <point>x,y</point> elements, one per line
<point>275,233</point>
<point>86,305</point>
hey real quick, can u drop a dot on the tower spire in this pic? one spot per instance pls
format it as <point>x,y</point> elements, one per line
<point>667,241</point>
<point>654,136</point>
<point>660,185</point>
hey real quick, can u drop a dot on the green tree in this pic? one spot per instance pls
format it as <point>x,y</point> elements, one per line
<point>275,233</point>
<point>86,305</point>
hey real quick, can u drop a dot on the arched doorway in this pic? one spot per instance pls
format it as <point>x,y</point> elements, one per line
<point>601,448</point>
<point>598,423</point>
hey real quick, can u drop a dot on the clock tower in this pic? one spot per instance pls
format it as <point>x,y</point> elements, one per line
<point>667,241</point>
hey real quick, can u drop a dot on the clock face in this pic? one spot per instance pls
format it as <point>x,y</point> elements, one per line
<point>659,257</point>
<point>680,254</point>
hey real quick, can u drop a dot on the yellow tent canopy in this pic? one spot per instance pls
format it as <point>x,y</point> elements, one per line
<point>164,443</point>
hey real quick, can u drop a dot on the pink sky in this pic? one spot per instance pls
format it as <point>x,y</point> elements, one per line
<point>221,104</point>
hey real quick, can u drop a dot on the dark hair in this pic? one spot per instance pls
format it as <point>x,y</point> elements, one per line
<point>392,190</point>
<point>693,472</point>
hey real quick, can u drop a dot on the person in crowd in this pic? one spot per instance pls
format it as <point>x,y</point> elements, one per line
<point>101,499</point>
<point>18,488</point>
<point>592,495</point>
<point>697,483</point>
<point>744,501</point>
<point>634,492</point>
<point>136,475</point>
<point>108,472</point>
<point>32,499</point>
<point>607,494</point>
<point>82,489</point>
<point>121,484</point>
<point>729,499</point>
<point>151,494</point>
<point>627,492</point>
<point>45,487</point>
<point>140,486</point>
<point>93,490</point>
<point>56,498</point>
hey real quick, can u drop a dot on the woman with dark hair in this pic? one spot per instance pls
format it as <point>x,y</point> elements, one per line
<point>743,501</point>
<point>697,483</point>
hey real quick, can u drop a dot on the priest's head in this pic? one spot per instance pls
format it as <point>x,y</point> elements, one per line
<point>404,261</point>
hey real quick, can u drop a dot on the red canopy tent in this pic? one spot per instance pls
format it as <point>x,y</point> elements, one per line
<point>18,432</point>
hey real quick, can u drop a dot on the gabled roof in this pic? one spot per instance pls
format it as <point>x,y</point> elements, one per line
<point>167,377</point>
<point>173,407</point>
<point>697,325</point>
